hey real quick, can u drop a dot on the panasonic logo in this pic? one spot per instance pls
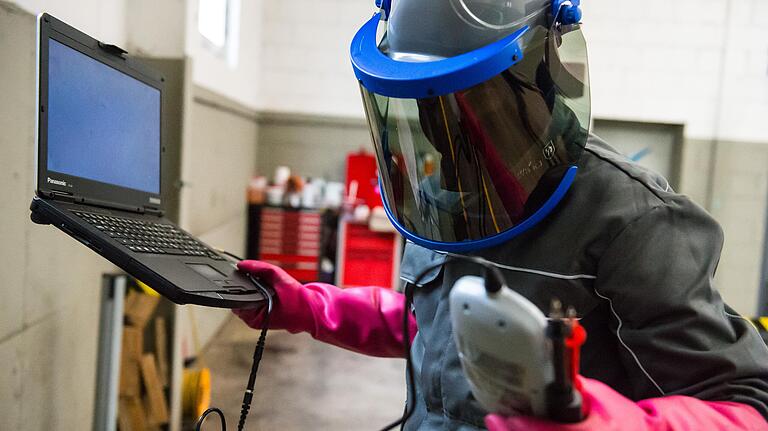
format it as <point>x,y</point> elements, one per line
<point>56,182</point>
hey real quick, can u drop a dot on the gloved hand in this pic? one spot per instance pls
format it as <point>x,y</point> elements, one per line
<point>366,320</point>
<point>611,411</point>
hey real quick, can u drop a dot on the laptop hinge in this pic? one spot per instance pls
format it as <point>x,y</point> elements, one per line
<point>153,211</point>
<point>63,196</point>
<point>106,204</point>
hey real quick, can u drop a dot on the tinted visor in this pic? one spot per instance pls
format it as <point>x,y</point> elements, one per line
<point>475,163</point>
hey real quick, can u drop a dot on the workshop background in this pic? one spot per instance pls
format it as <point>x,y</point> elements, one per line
<point>681,85</point>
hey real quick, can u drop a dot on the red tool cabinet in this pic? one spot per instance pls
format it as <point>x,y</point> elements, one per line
<point>367,258</point>
<point>290,239</point>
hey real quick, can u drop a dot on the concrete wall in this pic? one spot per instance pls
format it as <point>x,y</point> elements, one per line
<point>219,158</point>
<point>698,63</point>
<point>102,19</point>
<point>155,28</point>
<point>238,81</point>
<point>313,146</point>
<point>305,64</point>
<point>739,193</point>
<point>169,29</point>
<point>692,62</point>
<point>49,284</point>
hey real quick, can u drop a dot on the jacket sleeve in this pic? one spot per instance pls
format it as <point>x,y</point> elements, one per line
<point>676,337</point>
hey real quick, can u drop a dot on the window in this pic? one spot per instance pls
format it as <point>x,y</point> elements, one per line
<point>212,21</point>
<point>218,22</point>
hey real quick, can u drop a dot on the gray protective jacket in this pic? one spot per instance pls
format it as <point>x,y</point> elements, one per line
<point>637,261</point>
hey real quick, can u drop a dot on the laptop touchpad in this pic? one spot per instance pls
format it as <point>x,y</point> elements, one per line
<point>207,271</point>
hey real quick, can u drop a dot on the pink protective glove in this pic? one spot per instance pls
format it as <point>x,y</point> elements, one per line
<point>611,411</point>
<point>366,320</point>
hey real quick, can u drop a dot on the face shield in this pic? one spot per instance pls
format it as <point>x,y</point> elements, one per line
<point>476,148</point>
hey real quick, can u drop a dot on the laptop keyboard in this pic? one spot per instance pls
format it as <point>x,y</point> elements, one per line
<point>147,237</point>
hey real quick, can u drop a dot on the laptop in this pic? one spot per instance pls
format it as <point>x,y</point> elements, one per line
<point>99,147</point>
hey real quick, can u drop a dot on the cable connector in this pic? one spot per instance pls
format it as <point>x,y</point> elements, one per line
<point>493,282</point>
<point>564,402</point>
<point>257,354</point>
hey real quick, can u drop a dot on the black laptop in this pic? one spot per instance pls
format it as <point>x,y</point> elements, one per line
<point>100,142</point>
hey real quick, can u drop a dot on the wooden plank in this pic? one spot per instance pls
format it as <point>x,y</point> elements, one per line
<point>130,414</point>
<point>161,348</point>
<point>151,424</point>
<point>129,379</point>
<point>129,362</point>
<point>139,308</point>
<point>158,407</point>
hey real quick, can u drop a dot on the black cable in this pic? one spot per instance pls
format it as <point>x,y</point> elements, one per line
<point>494,283</point>
<point>202,417</point>
<point>408,298</point>
<point>257,354</point>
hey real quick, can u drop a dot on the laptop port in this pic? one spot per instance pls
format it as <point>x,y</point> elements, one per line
<point>238,290</point>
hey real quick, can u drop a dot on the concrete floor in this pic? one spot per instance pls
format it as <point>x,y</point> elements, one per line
<point>302,384</point>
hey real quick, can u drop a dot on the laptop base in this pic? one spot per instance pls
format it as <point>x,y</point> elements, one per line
<point>182,279</point>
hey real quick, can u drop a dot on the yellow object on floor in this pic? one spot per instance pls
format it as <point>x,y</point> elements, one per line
<point>195,392</point>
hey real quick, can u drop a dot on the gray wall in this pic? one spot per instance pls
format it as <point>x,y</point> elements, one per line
<point>49,284</point>
<point>218,160</point>
<point>311,146</point>
<point>738,202</point>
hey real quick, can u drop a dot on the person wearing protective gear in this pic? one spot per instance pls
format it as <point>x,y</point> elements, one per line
<point>494,95</point>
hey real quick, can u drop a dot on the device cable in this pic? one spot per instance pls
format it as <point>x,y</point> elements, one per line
<point>257,355</point>
<point>408,300</point>
<point>205,414</point>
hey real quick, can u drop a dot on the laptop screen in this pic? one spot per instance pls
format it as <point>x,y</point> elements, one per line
<point>103,125</point>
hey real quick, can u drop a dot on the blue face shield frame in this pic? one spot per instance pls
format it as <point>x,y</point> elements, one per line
<point>479,244</point>
<point>411,80</point>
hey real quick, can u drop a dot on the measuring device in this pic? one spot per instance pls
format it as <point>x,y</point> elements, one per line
<point>517,360</point>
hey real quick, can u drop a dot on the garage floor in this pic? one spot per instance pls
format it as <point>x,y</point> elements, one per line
<point>302,384</point>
